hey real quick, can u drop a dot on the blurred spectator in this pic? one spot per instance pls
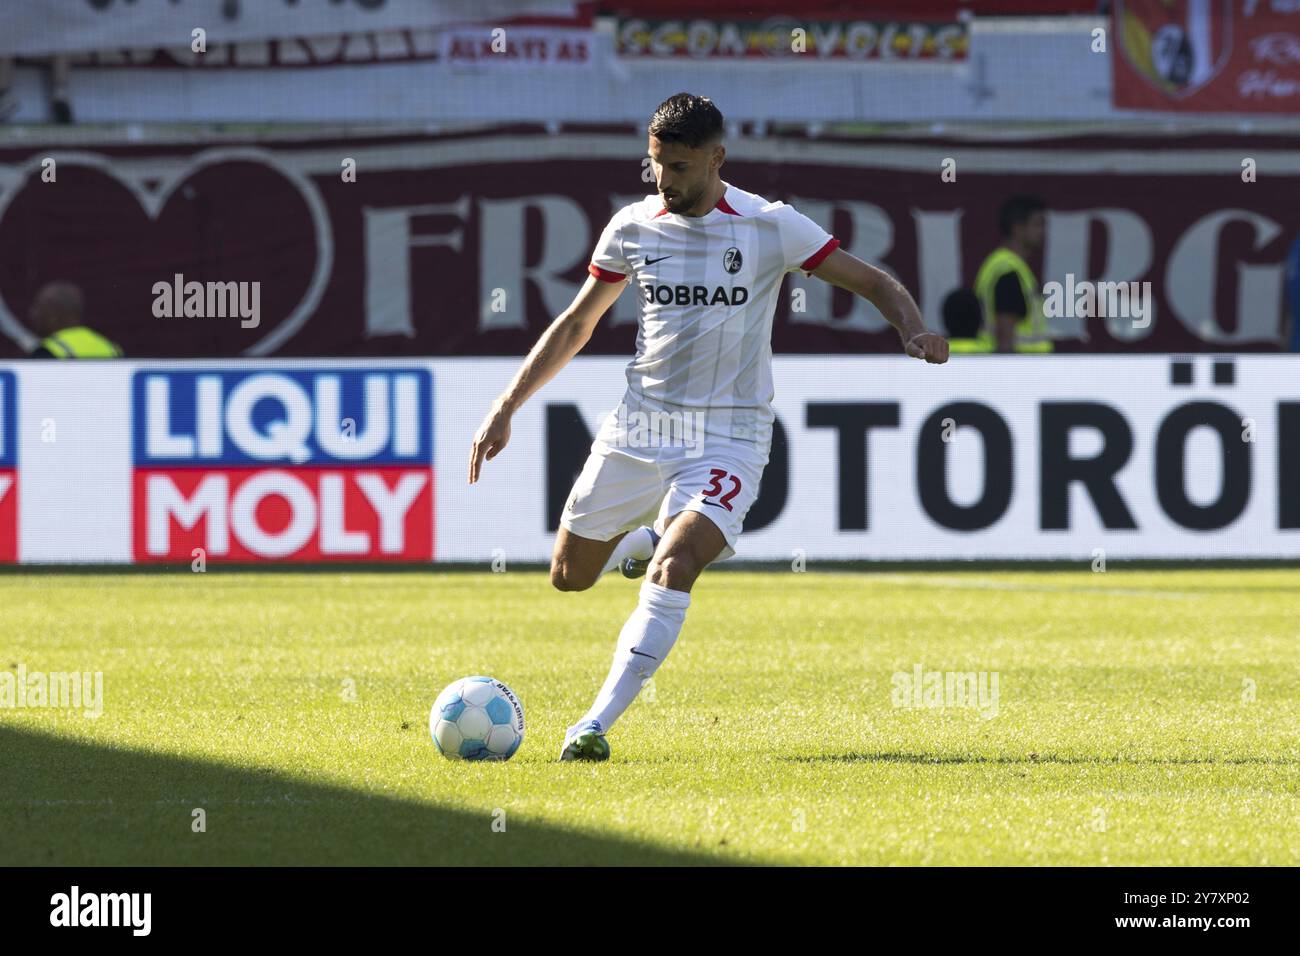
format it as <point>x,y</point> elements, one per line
<point>8,104</point>
<point>60,93</point>
<point>56,317</point>
<point>962,319</point>
<point>1007,288</point>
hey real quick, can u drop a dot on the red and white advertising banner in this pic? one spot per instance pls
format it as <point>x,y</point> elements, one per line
<point>78,26</point>
<point>471,244</point>
<point>1215,56</point>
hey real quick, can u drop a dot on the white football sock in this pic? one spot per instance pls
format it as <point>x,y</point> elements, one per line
<point>644,642</point>
<point>637,544</point>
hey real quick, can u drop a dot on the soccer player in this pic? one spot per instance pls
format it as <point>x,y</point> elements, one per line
<point>675,468</point>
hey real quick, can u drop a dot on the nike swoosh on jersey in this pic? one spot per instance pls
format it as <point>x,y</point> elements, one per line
<point>651,262</point>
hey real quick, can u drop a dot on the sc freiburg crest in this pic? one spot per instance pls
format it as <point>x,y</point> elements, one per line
<point>1176,45</point>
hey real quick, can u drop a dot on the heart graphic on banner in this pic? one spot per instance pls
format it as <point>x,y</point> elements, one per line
<point>118,226</point>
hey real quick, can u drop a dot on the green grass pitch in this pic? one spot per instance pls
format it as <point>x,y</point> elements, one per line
<point>1142,717</point>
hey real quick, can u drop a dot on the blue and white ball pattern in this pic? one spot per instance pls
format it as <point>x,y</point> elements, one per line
<point>477,718</point>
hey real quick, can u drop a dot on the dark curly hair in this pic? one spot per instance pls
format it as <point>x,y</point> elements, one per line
<point>687,119</point>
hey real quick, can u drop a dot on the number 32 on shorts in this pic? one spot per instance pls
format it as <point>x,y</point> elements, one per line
<point>714,487</point>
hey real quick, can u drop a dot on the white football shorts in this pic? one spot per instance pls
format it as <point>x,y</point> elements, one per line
<point>617,492</point>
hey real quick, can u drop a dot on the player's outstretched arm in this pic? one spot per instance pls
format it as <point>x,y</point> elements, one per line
<point>888,295</point>
<point>562,340</point>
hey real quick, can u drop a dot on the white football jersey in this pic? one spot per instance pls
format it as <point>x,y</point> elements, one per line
<point>707,288</point>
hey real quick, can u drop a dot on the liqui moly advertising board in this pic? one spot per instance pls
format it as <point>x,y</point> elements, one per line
<point>282,464</point>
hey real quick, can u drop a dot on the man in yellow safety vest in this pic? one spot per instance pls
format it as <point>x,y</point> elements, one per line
<point>56,317</point>
<point>1006,287</point>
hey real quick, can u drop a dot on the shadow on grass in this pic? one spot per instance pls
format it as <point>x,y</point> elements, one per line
<point>898,757</point>
<point>68,803</point>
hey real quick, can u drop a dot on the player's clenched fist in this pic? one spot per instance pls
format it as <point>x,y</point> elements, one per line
<point>929,346</point>
<point>492,436</point>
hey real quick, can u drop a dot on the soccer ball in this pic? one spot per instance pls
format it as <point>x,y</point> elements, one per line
<point>477,718</point>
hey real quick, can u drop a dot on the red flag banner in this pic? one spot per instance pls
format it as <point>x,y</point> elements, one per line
<point>1207,56</point>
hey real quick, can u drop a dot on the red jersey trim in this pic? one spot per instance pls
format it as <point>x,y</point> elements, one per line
<point>817,258</point>
<point>604,275</point>
<point>721,205</point>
